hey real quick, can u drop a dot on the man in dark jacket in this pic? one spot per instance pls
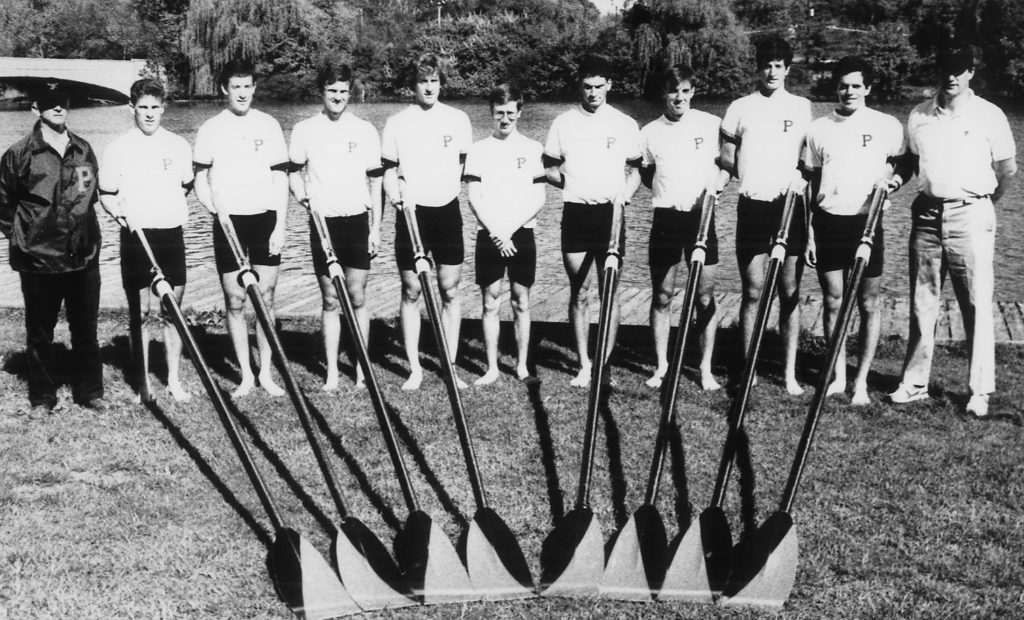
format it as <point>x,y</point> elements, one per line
<point>48,193</point>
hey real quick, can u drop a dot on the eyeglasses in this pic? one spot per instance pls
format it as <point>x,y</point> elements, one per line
<point>498,115</point>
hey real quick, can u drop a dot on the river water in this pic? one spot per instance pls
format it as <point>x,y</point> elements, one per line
<point>101,125</point>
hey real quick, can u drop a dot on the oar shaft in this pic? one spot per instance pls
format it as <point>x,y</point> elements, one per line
<point>444,352</point>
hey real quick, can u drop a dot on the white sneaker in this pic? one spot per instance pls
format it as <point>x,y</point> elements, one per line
<point>978,405</point>
<point>908,393</point>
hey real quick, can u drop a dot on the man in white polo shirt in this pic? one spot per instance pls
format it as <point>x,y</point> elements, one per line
<point>966,158</point>
<point>145,176</point>
<point>242,166</point>
<point>680,151</point>
<point>422,151</point>
<point>847,152</point>
<point>762,137</point>
<point>593,153</point>
<point>336,171</point>
<point>506,191</point>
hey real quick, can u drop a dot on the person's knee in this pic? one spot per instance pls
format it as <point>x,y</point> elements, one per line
<point>868,304</point>
<point>234,303</point>
<point>706,302</point>
<point>332,305</point>
<point>832,300</point>
<point>520,304</point>
<point>450,293</point>
<point>661,300</point>
<point>410,292</point>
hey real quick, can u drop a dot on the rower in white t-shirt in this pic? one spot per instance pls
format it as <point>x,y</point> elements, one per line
<point>145,176</point>
<point>336,171</point>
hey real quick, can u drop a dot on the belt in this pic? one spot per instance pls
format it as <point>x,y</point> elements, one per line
<point>954,202</point>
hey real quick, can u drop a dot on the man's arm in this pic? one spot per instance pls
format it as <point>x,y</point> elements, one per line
<point>8,193</point>
<point>203,192</point>
<point>279,177</point>
<point>376,211</point>
<point>1005,170</point>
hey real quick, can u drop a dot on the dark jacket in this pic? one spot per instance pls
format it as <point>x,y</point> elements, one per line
<point>47,204</point>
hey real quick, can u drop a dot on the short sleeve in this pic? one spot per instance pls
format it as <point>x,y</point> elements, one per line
<point>472,168</point>
<point>465,131</point>
<point>645,146</point>
<point>389,142</point>
<point>297,152</point>
<point>373,150</point>
<point>730,128</point>
<point>632,130</point>
<point>899,138</point>
<point>203,152</point>
<point>278,153</point>
<point>811,157</point>
<point>110,170</point>
<point>1002,137</point>
<point>187,173</point>
<point>553,144</point>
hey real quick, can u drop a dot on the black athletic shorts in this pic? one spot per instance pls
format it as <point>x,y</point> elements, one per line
<point>674,233</point>
<point>585,228</point>
<point>440,232</point>
<point>757,222</point>
<point>349,238</point>
<point>168,245</point>
<point>836,238</point>
<point>254,235</point>
<point>491,265</point>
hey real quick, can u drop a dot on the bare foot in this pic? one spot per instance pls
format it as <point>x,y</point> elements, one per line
<point>836,387</point>
<point>793,387</point>
<point>708,382</point>
<point>178,392</point>
<point>243,389</point>
<point>582,378</point>
<point>414,381</point>
<point>522,373</point>
<point>860,396</point>
<point>269,386</point>
<point>331,383</point>
<point>360,383</point>
<point>459,383</point>
<point>488,377</point>
<point>655,380</point>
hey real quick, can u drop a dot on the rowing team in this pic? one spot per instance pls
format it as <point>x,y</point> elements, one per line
<point>337,166</point>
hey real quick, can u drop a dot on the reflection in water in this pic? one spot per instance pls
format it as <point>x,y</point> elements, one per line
<point>102,124</point>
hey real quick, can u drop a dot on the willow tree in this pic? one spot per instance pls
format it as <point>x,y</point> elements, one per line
<point>217,31</point>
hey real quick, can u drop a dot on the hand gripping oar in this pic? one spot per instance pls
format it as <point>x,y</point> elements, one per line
<point>301,576</point>
<point>572,556</point>
<point>764,567</point>
<point>363,563</point>
<point>429,563</point>
<point>636,564</point>
<point>699,567</point>
<point>493,558</point>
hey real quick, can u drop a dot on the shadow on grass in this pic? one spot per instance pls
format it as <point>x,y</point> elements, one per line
<point>680,482</point>
<point>547,451</point>
<point>616,473</point>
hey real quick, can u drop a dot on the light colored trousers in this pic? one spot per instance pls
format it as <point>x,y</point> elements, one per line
<point>958,240</point>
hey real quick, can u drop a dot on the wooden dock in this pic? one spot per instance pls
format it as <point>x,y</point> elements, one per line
<point>299,295</point>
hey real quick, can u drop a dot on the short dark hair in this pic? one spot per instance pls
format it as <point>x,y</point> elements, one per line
<point>332,72</point>
<point>505,93</point>
<point>773,48</point>
<point>954,60</point>
<point>675,75</point>
<point>147,86</point>
<point>422,66</point>
<point>239,67</point>
<point>853,64</point>
<point>593,66</point>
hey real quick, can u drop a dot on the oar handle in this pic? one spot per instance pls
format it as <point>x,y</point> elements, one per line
<point>380,407</point>
<point>670,384</point>
<point>835,346</point>
<point>166,293</point>
<point>610,283</point>
<point>738,409</point>
<point>154,268</point>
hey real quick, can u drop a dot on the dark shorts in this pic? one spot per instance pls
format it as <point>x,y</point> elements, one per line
<point>491,265</point>
<point>168,245</point>
<point>350,239</point>
<point>440,231</point>
<point>585,228</point>
<point>674,233</point>
<point>836,238</point>
<point>757,222</point>
<point>254,235</point>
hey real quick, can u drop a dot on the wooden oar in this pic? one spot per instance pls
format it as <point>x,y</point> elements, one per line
<point>363,563</point>
<point>636,564</point>
<point>429,564</point>
<point>764,566</point>
<point>301,577</point>
<point>699,567</point>
<point>492,554</point>
<point>572,555</point>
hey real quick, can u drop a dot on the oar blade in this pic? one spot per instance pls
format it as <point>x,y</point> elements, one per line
<point>494,559</point>
<point>764,568</point>
<point>572,556</point>
<point>686,578</point>
<point>367,570</point>
<point>716,547</point>
<point>636,564</point>
<point>429,562</point>
<point>305,581</point>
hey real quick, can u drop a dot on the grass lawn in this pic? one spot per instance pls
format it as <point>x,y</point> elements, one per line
<point>909,512</point>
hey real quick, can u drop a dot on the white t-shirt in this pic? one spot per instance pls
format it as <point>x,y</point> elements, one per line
<point>240,151</point>
<point>508,170</point>
<point>427,146</point>
<point>337,155</point>
<point>852,153</point>
<point>769,134</point>
<point>594,148</point>
<point>684,153</point>
<point>957,150</point>
<point>148,174</point>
